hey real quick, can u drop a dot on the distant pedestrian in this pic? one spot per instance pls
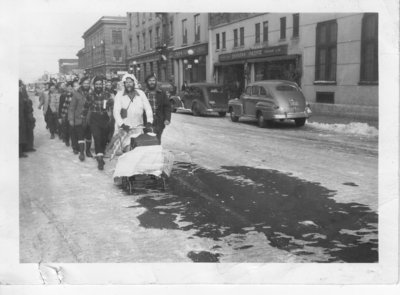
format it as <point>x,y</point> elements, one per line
<point>43,102</point>
<point>184,86</point>
<point>50,105</point>
<point>62,90</point>
<point>114,84</point>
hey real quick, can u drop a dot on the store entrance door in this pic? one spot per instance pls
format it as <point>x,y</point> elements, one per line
<point>234,79</point>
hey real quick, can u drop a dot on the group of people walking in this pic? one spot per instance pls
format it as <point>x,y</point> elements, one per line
<point>81,110</point>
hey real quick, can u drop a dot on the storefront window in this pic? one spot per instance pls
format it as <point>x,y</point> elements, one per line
<point>195,69</point>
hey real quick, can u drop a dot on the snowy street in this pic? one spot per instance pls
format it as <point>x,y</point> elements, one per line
<point>237,193</point>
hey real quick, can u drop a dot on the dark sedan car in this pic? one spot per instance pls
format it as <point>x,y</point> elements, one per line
<point>202,98</point>
<point>271,100</point>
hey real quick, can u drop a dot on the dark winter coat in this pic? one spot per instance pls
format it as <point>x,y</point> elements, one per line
<point>99,106</point>
<point>161,108</point>
<point>23,131</point>
<point>77,110</point>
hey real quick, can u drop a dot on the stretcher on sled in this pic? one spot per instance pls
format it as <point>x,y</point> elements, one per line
<point>145,164</point>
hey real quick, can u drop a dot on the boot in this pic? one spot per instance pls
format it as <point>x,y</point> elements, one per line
<point>82,151</point>
<point>100,162</point>
<point>88,152</point>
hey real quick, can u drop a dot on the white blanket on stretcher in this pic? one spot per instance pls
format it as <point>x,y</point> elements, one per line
<point>152,160</point>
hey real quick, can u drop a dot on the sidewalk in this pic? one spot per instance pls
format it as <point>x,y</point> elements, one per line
<point>327,119</point>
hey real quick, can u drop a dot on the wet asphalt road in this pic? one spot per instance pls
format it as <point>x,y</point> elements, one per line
<point>237,193</point>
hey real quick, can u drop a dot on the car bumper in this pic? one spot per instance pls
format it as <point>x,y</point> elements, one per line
<point>215,110</point>
<point>305,114</point>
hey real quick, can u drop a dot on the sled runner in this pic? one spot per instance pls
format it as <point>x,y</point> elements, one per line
<point>146,165</point>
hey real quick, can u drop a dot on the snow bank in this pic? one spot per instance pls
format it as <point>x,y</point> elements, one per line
<point>351,128</point>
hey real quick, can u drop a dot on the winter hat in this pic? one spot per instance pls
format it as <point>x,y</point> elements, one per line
<point>97,78</point>
<point>130,76</point>
<point>83,79</point>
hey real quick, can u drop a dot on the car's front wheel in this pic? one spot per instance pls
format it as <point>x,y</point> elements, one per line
<point>234,118</point>
<point>196,109</point>
<point>300,122</point>
<point>261,121</point>
<point>222,114</point>
<point>173,108</point>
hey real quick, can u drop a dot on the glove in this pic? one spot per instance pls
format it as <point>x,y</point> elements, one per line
<point>125,127</point>
<point>148,128</point>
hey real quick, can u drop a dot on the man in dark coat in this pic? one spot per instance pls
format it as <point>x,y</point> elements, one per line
<point>65,100</point>
<point>160,105</point>
<point>77,117</point>
<point>99,104</point>
<point>30,124</point>
<point>23,138</point>
<point>111,125</point>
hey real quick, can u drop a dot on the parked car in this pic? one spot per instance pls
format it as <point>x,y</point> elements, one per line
<point>271,100</point>
<point>167,87</point>
<point>202,98</point>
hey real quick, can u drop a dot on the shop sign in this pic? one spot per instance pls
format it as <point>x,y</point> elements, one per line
<point>196,50</point>
<point>255,53</point>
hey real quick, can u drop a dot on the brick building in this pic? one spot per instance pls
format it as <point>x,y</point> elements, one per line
<point>150,41</point>
<point>190,54</point>
<point>105,47</point>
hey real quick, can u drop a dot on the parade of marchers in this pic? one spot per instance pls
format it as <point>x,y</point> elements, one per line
<point>95,112</point>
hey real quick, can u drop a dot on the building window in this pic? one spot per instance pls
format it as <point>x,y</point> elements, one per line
<point>242,36</point>
<point>151,68</point>
<point>369,48</point>
<point>171,28</point>
<point>257,30</point>
<point>283,28</point>
<point>151,38</point>
<point>325,97</point>
<point>184,31</point>
<point>138,42</point>
<point>130,44</point>
<point>325,57</point>
<point>265,31</point>
<point>117,55</point>
<point>223,40</point>
<point>116,37</point>
<point>196,28</point>
<point>296,21</point>
<point>144,40</point>
<point>158,34</point>
<point>130,21</point>
<point>217,41</point>
<point>235,38</point>
<point>137,18</point>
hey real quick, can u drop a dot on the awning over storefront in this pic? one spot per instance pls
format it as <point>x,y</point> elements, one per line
<point>229,63</point>
<point>274,58</point>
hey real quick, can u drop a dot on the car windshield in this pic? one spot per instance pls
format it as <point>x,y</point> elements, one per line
<point>286,87</point>
<point>216,89</point>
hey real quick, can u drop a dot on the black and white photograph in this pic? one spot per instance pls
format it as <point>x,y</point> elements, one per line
<point>200,137</point>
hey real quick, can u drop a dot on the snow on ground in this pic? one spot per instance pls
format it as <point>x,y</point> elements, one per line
<point>351,128</point>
